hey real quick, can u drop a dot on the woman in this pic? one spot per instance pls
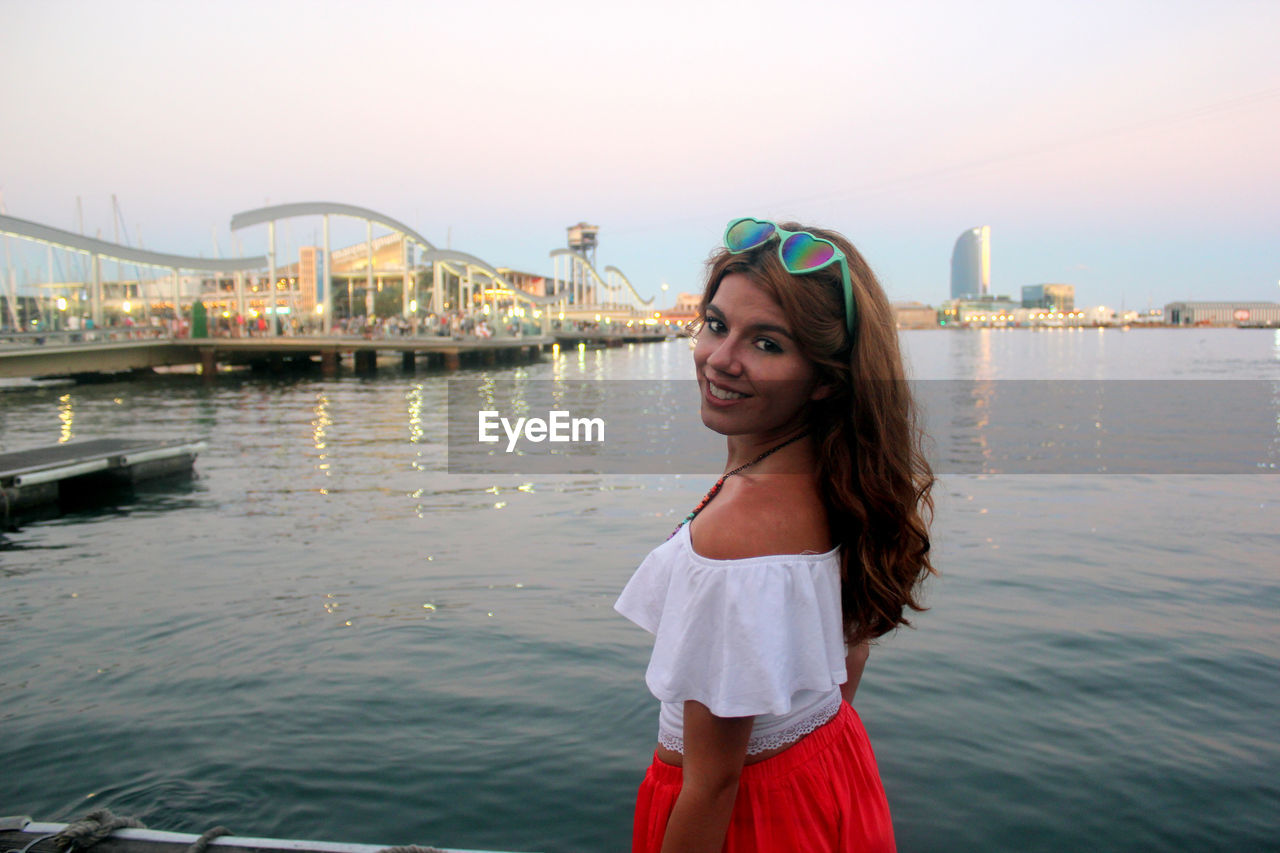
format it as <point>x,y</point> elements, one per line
<point>812,543</point>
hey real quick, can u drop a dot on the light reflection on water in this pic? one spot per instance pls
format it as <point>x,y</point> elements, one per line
<point>326,635</point>
<point>66,416</point>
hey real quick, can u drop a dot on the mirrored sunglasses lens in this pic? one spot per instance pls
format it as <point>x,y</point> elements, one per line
<point>802,253</point>
<point>747,234</point>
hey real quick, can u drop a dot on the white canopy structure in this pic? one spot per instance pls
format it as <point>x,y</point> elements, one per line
<point>100,249</point>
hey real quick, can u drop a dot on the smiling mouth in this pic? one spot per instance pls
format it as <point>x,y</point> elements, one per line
<point>722,393</point>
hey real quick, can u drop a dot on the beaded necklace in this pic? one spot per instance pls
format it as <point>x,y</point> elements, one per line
<point>719,483</point>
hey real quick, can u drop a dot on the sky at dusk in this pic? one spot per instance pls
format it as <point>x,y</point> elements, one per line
<point>1128,148</point>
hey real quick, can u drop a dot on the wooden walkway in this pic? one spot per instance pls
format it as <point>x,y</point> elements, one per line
<point>99,357</point>
<point>62,359</point>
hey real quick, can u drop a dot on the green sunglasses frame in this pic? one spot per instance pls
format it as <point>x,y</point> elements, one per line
<point>850,309</point>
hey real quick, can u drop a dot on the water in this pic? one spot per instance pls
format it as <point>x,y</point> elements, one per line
<point>324,635</point>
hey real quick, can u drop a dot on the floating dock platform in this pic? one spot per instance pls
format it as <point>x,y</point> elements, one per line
<point>78,471</point>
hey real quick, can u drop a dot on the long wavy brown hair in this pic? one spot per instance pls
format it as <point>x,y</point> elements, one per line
<point>874,478</point>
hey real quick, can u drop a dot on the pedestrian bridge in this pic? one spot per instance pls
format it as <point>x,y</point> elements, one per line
<point>107,352</point>
<point>79,358</point>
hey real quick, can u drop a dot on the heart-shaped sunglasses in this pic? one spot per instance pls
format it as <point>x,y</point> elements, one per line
<point>799,251</point>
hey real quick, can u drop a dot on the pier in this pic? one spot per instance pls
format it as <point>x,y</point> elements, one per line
<point>399,278</point>
<point>392,295</point>
<point>58,355</point>
<point>81,359</point>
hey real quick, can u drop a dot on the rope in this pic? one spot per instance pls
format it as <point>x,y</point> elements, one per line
<point>92,828</point>
<point>203,841</point>
<point>33,844</point>
<point>99,824</point>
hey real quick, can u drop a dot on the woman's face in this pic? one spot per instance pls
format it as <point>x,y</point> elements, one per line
<point>753,377</point>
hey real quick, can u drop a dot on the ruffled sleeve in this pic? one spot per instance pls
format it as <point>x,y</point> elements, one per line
<point>740,636</point>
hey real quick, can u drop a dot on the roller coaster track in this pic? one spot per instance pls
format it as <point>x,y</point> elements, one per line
<point>555,253</point>
<point>630,286</point>
<point>447,257</point>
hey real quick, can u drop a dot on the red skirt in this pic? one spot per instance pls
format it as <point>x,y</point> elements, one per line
<point>823,794</point>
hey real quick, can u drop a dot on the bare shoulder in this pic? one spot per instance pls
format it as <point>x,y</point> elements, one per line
<point>762,516</point>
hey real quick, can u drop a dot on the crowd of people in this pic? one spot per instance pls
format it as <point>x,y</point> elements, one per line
<point>451,324</point>
<point>458,325</point>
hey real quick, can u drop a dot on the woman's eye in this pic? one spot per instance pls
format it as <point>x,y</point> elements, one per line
<point>767,345</point>
<point>714,325</point>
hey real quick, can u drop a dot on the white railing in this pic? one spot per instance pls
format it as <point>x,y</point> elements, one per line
<point>66,337</point>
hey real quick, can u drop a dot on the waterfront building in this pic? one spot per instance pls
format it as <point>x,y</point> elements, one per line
<point>532,283</point>
<point>915,315</point>
<point>1101,315</point>
<point>971,264</point>
<point>1031,317</point>
<point>980,310</point>
<point>310,282</point>
<point>392,256</point>
<point>1150,317</point>
<point>299,286</point>
<point>1050,297</point>
<point>1003,312</point>
<point>685,310</point>
<point>1222,313</point>
<point>687,303</point>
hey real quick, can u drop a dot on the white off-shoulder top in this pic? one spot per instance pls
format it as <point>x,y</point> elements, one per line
<point>759,637</point>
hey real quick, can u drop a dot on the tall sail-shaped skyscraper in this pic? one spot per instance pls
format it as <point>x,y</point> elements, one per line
<point>971,264</point>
